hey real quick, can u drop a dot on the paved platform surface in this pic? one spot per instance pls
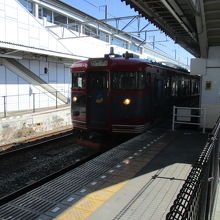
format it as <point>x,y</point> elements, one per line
<point>216,212</point>
<point>152,191</point>
<point>138,179</point>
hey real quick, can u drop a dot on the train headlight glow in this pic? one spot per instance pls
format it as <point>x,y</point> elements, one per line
<point>75,99</point>
<point>127,101</point>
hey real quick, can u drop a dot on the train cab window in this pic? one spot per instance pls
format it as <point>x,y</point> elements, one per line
<point>78,79</point>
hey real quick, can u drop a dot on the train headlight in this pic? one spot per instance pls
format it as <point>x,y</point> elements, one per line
<point>75,99</point>
<point>127,101</point>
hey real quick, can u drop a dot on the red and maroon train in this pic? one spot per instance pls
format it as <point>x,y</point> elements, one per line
<point>125,94</point>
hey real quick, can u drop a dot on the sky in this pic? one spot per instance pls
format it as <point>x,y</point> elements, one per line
<point>116,8</point>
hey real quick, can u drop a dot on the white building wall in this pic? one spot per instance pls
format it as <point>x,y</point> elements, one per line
<point>20,27</point>
<point>20,93</point>
<point>209,69</point>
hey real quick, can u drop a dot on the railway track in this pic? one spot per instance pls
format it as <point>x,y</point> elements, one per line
<point>29,165</point>
<point>40,182</point>
<point>10,149</point>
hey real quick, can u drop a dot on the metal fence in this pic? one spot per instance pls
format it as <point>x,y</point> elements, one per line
<point>190,116</point>
<point>30,102</point>
<point>196,198</point>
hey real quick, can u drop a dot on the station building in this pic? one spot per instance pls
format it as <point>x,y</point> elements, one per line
<point>39,40</point>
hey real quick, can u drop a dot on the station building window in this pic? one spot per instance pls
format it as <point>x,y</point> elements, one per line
<point>28,5</point>
<point>44,12</point>
<point>103,36</point>
<point>59,19</point>
<point>73,25</point>
<point>90,31</point>
<point>135,48</point>
<point>119,42</point>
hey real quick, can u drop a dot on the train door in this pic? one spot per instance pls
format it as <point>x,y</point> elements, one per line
<point>97,104</point>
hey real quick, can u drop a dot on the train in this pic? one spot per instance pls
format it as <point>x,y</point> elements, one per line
<point>125,94</point>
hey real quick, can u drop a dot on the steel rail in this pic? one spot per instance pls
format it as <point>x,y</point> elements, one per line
<point>46,179</point>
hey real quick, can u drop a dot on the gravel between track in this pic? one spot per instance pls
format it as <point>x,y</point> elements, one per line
<point>24,168</point>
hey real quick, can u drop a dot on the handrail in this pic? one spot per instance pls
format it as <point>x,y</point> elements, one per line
<point>197,195</point>
<point>29,102</point>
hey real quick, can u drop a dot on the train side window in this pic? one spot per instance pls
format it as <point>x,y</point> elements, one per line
<point>159,88</point>
<point>142,81</point>
<point>124,80</point>
<point>148,79</point>
<point>78,80</point>
<point>174,88</point>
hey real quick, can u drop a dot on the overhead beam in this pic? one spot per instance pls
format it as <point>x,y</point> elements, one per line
<point>167,5</point>
<point>120,18</point>
<point>201,30</point>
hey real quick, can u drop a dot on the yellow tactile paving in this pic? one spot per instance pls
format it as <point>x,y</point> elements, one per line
<point>88,204</point>
<point>74,214</point>
<point>102,195</point>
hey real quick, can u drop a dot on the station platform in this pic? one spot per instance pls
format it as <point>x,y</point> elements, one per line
<point>21,126</point>
<point>138,179</point>
<point>216,212</point>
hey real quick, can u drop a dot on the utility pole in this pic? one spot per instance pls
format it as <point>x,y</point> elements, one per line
<point>154,42</point>
<point>106,10</point>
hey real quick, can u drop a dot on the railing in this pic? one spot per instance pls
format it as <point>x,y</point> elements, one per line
<point>185,115</point>
<point>29,102</point>
<point>196,198</point>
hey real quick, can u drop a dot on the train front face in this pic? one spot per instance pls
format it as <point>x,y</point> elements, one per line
<point>110,95</point>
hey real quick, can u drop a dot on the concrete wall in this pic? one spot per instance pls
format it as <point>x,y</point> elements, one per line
<point>19,128</point>
<point>209,69</point>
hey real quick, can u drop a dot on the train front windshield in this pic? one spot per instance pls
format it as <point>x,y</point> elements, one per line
<point>98,80</point>
<point>129,80</point>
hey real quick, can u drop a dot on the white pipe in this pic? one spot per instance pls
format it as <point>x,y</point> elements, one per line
<point>11,56</point>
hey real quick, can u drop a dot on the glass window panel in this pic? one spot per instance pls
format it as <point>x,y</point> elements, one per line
<point>73,25</point>
<point>103,36</point>
<point>135,48</point>
<point>28,5</point>
<point>120,42</point>
<point>40,12</point>
<point>125,80</point>
<point>59,19</point>
<point>23,2</point>
<point>90,31</point>
<point>130,80</point>
<point>78,80</point>
<point>98,80</point>
<point>48,14</point>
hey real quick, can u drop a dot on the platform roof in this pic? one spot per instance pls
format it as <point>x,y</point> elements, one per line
<point>194,24</point>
